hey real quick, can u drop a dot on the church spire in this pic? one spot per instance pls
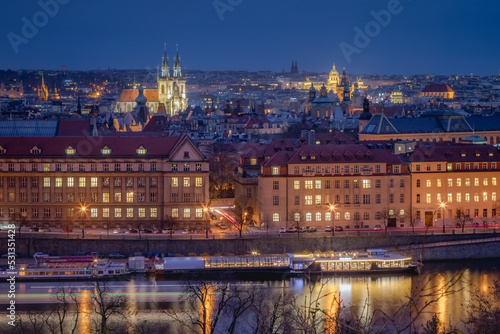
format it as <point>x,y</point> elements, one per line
<point>165,67</point>
<point>177,64</point>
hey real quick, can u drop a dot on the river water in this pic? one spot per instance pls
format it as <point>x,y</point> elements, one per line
<point>381,293</point>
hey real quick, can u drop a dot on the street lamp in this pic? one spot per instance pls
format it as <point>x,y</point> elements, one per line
<point>442,205</point>
<point>332,209</point>
<point>205,210</point>
<point>82,212</point>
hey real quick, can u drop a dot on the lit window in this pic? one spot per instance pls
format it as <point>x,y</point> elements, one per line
<point>493,181</point>
<point>450,182</point>
<point>317,184</point>
<point>118,212</point>
<point>175,213</point>
<point>175,182</point>
<point>105,212</point>
<point>347,216</point>
<point>450,198</point>
<point>308,184</point>
<point>476,197</point>
<point>438,183</point>
<point>46,167</point>
<point>105,197</point>
<point>328,216</point>
<point>130,213</point>
<point>467,197</point>
<point>428,198</point>
<point>459,182</point>
<point>308,217</point>
<point>81,182</point>
<point>118,197</point>
<point>275,170</point>
<point>318,216</point>
<point>93,213</point>
<point>153,212</point>
<point>467,182</point>
<point>429,183</point>
<point>70,150</point>
<point>130,197</point>
<point>296,217</point>
<point>296,185</point>
<point>58,182</point>
<point>253,161</point>
<point>199,213</point>
<point>276,217</point>
<point>308,200</point>
<point>198,182</point>
<point>317,200</point>
<point>438,198</point>
<point>105,150</point>
<point>459,197</point>
<point>187,182</point>
<point>70,182</point>
<point>494,196</point>
<point>449,167</point>
<point>485,181</point>
<point>46,182</point>
<point>187,213</point>
<point>141,212</point>
<point>141,150</point>
<point>476,181</point>
<point>367,184</point>
<point>93,182</point>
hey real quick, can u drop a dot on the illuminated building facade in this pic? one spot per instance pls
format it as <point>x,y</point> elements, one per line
<point>126,182</point>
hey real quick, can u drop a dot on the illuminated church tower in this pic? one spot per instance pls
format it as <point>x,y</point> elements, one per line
<point>333,80</point>
<point>171,86</point>
<point>43,92</point>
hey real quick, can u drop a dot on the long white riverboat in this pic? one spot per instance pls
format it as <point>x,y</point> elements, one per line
<point>66,268</point>
<point>374,261</point>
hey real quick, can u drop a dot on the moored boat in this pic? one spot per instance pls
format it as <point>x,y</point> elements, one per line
<point>66,268</point>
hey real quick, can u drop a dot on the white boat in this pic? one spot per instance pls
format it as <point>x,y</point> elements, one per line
<point>66,268</point>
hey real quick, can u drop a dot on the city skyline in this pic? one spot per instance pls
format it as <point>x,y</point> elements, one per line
<point>238,35</point>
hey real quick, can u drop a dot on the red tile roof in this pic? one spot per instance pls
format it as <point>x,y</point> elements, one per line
<point>131,95</point>
<point>87,146</point>
<point>439,88</point>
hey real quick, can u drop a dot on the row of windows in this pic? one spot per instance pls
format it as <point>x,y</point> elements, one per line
<point>335,169</point>
<point>458,166</point>
<point>318,216</point>
<point>356,199</point>
<point>81,181</point>
<point>117,197</point>
<point>105,212</point>
<point>466,213</point>
<point>458,197</point>
<point>458,182</point>
<point>94,167</point>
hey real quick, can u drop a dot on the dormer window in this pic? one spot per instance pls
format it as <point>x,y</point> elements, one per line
<point>275,170</point>
<point>490,154</point>
<point>141,150</point>
<point>2,150</point>
<point>70,150</point>
<point>35,150</point>
<point>186,154</point>
<point>105,150</point>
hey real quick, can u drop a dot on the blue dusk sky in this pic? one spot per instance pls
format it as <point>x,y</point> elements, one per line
<point>365,36</point>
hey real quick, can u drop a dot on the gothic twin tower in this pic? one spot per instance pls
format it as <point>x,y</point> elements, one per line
<point>171,85</point>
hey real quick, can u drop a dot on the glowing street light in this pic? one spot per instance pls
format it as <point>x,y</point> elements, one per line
<point>82,212</point>
<point>442,205</point>
<point>332,210</point>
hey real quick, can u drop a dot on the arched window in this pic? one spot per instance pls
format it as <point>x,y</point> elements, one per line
<point>308,217</point>
<point>347,216</point>
<point>296,217</point>
<point>276,217</point>
<point>328,216</point>
<point>318,216</point>
<point>401,212</point>
<point>163,89</point>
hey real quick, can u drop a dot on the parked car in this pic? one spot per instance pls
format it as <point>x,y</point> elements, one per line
<point>458,225</point>
<point>222,226</point>
<point>290,230</point>
<point>339,228</point>
<point>34,229</point>
<point>328,229</point>
<point>157,231</point>
<point>282,230</point>
<point>377,227</point>
<point>45,229</point>
<point>475,225</point>
<point>311,229</point>
<point>116,256</point>
<point>118,230</point>
<point>97,254</point>
<point>167,231</point>
<point>219,223</point>
<point>40,254</point>
<point>64,229</point>
<point>146,231</point>
<point>132,231</point>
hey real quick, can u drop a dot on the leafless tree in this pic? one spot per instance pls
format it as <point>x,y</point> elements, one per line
<point>482,310</point>
<point>461,218</point>
<point>241,206</point>
<point>297,224</point>
<point>66,310</point>
<point>384,215</point>
<point>170,223</point>
<point>223,162</point>
<point>19,221</point>
<point>106,305</point>
<point>32,322</point>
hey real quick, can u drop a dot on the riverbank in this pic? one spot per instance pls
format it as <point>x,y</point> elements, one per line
<point>436,247</point>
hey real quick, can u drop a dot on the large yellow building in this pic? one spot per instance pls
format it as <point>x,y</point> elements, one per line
<point>126,182</point>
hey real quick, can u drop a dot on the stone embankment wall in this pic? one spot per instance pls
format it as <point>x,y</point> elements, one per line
<point>27,246</point>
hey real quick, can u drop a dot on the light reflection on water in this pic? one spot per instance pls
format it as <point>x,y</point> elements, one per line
<point>385,294</point>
